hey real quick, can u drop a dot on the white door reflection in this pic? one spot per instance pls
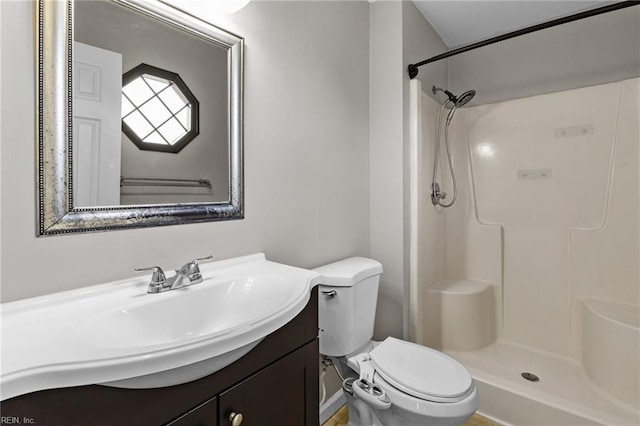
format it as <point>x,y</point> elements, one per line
<point>97,86</point>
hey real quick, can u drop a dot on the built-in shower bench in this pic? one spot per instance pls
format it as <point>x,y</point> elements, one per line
<point>461,314</point>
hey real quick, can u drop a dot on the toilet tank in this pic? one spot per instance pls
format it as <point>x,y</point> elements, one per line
<point>348,294</point>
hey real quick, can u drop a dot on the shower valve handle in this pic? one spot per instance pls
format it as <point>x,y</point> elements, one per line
<point>436,194</point>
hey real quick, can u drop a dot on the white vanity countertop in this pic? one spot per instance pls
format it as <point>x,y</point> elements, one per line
<point>116,331</point>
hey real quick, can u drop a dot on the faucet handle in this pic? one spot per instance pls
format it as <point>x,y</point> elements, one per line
<point>157,276</point>
<point>207,258</point>
<point>192,269</point>
<point>158,279</point>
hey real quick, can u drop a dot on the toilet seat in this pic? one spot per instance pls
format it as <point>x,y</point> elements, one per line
<point>421,372</point>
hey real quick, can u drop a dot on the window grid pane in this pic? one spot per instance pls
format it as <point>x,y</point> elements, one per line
<point>138,92</point>
<point>172,98</point>
<point>155,137</point>
<point>172,131</point>
<point>156,110</point>
<point>155,83</point>
<point>139,124</point>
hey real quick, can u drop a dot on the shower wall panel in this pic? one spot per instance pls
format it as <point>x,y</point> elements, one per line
<point>473,244</point>
<point>604,259</point>
<point>429,264</point>
<point>542,167</point>
<point>454,249</point>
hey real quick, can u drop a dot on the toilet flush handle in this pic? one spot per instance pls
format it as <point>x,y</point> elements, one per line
<point>329,293</point>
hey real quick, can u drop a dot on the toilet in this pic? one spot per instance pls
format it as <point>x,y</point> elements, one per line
<point>388,383</point>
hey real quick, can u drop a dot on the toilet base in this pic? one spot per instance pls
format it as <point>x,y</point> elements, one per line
<point>362,415</point>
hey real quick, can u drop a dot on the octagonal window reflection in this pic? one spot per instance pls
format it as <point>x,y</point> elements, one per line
<point>159,112</point>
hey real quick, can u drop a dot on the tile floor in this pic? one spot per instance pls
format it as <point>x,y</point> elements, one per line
<point>341,418</point>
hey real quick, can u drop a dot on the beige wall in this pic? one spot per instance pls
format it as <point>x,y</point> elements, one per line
<point>306,155</point>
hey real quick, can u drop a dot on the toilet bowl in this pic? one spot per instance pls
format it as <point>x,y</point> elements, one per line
<point>424,386</point>
<point>394,382</point>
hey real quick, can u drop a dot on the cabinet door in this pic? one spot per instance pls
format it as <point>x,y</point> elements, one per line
<point>274,396</point>
<point>205,414</point>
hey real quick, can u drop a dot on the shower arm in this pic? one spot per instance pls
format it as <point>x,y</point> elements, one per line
<point>451,96</point>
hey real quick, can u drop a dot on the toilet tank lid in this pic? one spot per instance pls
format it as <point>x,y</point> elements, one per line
<point>348,272</point>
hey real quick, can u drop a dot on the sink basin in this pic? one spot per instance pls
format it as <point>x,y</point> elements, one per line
<point>118,335</point>
<point>216,307</point>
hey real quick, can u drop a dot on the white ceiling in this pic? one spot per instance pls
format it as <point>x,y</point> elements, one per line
<point>463,22</point>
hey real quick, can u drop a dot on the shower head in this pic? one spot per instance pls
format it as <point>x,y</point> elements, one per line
<point>464,99</point>
<point>456,101</point>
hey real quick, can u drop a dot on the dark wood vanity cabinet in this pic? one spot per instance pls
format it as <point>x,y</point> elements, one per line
<point>275,384</point>
<point>274,396</point>
<point>205,414</point>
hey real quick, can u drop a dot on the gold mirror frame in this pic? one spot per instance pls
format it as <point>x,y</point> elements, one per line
<point>56,212</point>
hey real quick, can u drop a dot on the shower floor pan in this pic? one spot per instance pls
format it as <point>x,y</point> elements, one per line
<point>563,396</point>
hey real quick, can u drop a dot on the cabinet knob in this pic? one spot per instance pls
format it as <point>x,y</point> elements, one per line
<point>235,419</point>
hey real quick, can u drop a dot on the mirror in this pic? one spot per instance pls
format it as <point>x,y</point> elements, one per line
<point>140,117</point>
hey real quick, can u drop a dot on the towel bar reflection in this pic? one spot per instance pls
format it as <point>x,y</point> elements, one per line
<point>125,181</point>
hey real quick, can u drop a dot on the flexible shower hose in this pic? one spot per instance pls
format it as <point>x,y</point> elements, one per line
<point>435,198</point>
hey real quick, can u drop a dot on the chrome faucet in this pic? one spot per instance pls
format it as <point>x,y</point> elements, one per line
<point>188,275</point>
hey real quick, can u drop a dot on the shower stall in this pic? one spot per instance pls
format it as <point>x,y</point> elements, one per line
<point>531,277</point>
<point>533,273</point>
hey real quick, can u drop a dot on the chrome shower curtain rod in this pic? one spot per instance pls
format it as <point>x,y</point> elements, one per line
<point>413,68</point>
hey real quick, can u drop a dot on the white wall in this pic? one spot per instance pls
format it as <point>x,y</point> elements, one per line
<point>306,162</point>
<point>419,41</point>
<point>596,50</point>
<point>399,35</point>
<point>386,163</point>
<point>1,149</point>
